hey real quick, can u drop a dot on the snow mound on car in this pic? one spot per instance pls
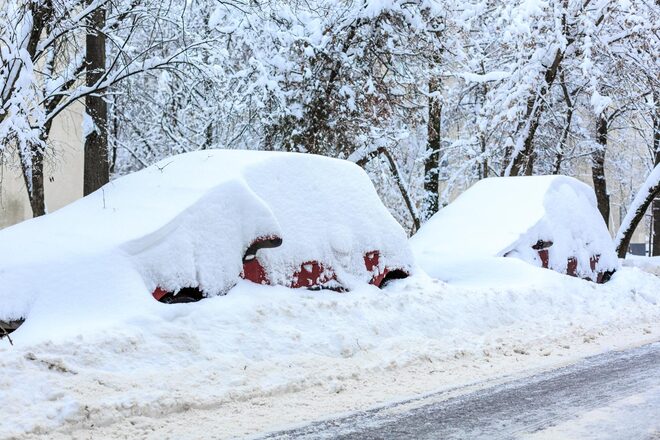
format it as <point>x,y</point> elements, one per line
<point>329,212</point>
<point>508,215</point>
<point>186,221</point>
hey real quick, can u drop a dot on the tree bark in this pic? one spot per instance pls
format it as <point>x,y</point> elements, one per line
<point>598,171</point>
<point>96,164</point>
<point>483,169</point>
<point>655,241</point>
<point>38,196</point>
<point>33,176</point>
<point>432,162</point>
<point>208,84</point>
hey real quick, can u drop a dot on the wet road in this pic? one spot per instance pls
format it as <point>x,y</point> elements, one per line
<point>615,395</point>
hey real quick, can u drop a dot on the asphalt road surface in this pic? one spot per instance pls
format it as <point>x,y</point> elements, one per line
<point>610,396</point>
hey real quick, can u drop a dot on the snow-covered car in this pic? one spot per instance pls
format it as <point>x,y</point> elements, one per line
<point>192,225</point>
<point>548,221</point>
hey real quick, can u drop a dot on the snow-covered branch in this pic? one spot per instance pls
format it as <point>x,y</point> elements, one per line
<point>649,190</point>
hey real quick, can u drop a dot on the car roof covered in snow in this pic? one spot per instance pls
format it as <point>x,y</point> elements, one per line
<point>187,221</point>
<point>498,214</point>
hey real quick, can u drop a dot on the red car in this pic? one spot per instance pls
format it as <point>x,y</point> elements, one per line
<point>333,229</point>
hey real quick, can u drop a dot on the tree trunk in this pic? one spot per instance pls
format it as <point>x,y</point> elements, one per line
<point>563,140</point>
<point>432,162</point>
<point>482,93</point>
<point>598,171</point>
<point>529,166</point>
<point>37,196</point>
<point>32,161</point>
<point>208,84</point>
<point>522,154</point>
<point>655,210</point>
<point>97,167</point>
<point>483,171</point>
<point>33,176</point>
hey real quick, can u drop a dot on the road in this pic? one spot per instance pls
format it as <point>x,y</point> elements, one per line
<point>615,395</point>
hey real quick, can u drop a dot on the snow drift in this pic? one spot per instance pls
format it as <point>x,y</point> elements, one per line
<point>549,221</point>
<point>268,342</point>
<point>187,222</point>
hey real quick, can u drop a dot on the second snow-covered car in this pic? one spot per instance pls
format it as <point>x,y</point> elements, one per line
<point>548,221</point>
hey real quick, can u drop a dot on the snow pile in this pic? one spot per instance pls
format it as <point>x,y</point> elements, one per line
<point>507,216</point>
<point>187,222</point>
<point>259,342</point>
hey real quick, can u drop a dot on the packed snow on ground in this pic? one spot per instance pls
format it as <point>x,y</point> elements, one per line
<point>186,222</point>
<point>265,343</point>
<point>508,215</point>
<point>633,417</point>
<point>647,264</point>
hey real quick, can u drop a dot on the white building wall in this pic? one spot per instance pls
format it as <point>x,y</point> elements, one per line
<point>63,172</point>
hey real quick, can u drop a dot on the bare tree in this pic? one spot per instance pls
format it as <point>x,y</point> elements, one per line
<point>44,71</point>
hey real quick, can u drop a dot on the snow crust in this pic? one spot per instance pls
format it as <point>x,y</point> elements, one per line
<point>508,215</point>
<point>186,222</point>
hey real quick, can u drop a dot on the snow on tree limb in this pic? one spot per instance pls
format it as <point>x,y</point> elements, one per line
<point>649,190</point>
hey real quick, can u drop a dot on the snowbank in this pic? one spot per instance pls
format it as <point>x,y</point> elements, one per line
<point>509,216</point>
<point>263,342</point>
<point>187,222</point>
<point>647,264</point>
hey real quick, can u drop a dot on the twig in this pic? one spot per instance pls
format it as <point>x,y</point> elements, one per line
<point>163,167</point>
<point>7,335</point>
